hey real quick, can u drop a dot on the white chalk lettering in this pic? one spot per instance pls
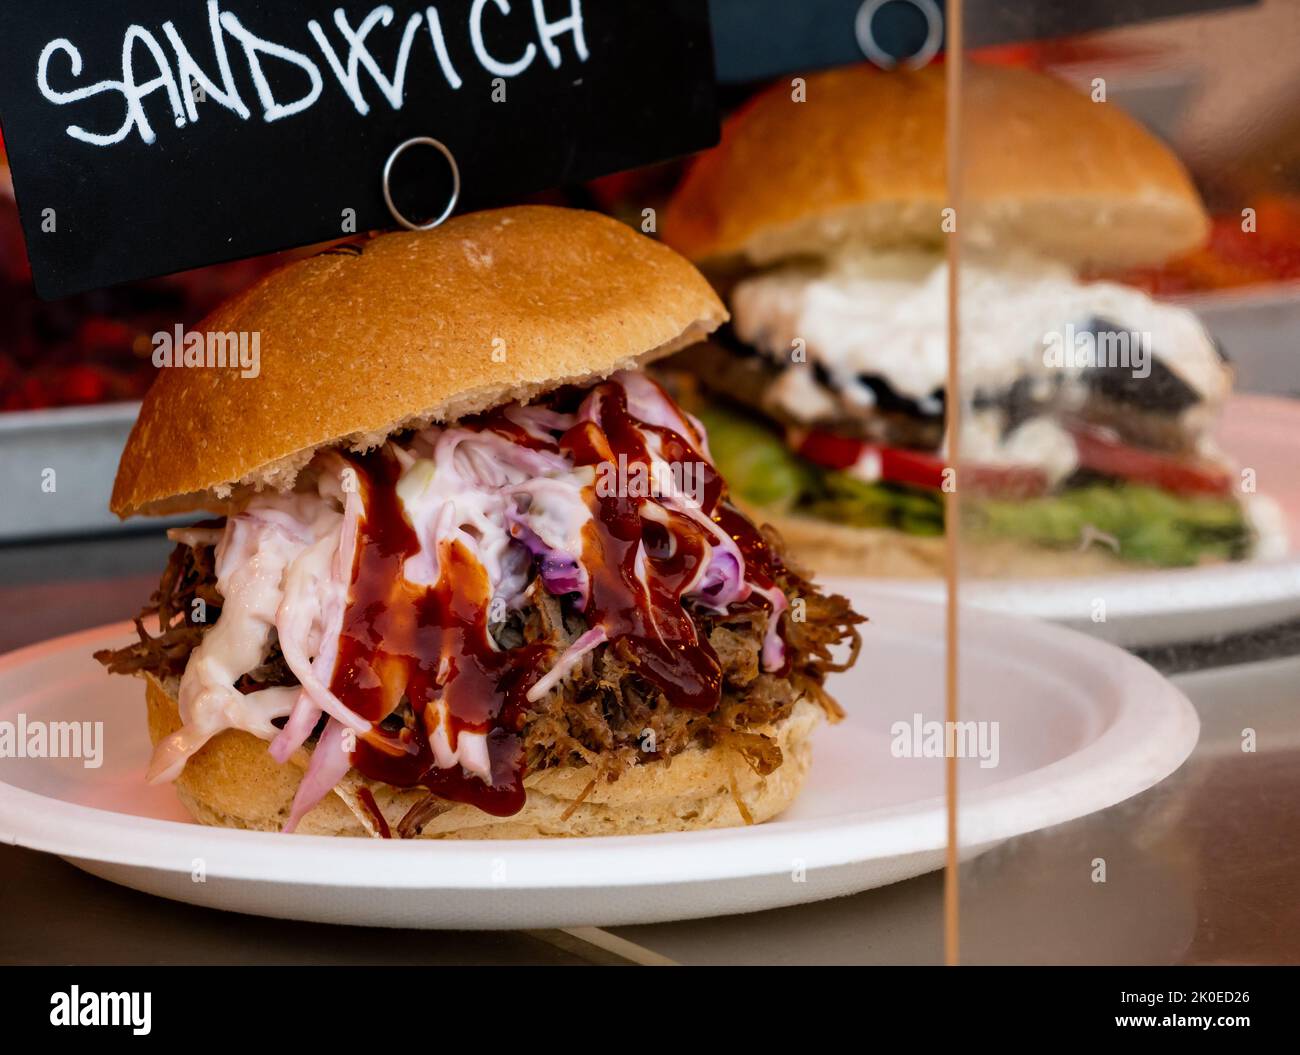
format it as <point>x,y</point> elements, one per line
<point>359,55</point>
<point>548,31</point>
<point>485,58</point>
<point>440,48</point>
<point>191,73</point>
<point>136,93</point>
<point>59,98</point>
<point>255,45</point>
<point>351,51</point>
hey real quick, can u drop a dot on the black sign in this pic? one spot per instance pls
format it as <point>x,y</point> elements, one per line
<point>759,39</point>
<point>150,136</point>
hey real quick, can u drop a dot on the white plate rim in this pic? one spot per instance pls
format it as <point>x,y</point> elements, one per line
<point>1157,606</point>
<point>1154,732</point>
<point>1153,594</point>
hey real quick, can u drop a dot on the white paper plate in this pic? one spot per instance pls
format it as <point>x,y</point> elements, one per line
<point>1140,610</point>
<point>1186,604</point>
<point>1081,726</point>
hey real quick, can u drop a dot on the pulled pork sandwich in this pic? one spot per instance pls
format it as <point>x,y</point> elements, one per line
<point>1091,406</point>
<point>473,574</point>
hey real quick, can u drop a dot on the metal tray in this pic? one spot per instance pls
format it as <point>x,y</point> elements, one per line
<point>1257,327</point>
<point>57,468</point>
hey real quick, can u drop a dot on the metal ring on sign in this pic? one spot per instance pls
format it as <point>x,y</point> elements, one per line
<point>864,30</point>
<point>455,182</point>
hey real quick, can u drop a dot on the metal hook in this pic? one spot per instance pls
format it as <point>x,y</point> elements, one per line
<point>864,30</point>
<point>455,182</point>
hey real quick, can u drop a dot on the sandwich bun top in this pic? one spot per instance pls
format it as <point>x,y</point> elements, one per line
<point>862,161</point>
<point>408,329</point>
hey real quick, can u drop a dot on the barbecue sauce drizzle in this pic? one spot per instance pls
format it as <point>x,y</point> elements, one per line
<point>432,646</point>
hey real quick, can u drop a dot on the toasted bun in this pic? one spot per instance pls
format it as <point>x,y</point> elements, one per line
<point>403,330</point>
<point>862,160</point>
<point>233,782</point>
<point>881,553</point>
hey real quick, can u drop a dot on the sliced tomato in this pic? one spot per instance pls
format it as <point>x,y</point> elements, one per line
<point>1102,453</point>
<point>1097,450</point>
<point>891,464</point>
<point>1005,481</point>
<point>898,465</point>
<point>915,468</point>
<point>825,448</point>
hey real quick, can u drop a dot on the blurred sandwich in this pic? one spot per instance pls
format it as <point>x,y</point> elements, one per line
<point>1087,439</point>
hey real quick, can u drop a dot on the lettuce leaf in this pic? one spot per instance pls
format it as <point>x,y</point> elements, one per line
<point>1150,526</point>
<point>762,470</point>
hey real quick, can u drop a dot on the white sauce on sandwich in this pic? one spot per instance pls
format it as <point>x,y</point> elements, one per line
<point>886,314</point>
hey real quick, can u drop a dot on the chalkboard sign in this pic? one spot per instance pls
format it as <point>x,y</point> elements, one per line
<point>151,136</point>
<point>759,39</point>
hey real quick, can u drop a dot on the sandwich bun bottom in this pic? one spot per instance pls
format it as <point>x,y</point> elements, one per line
<point>233,782</point>
<point>883,553</point>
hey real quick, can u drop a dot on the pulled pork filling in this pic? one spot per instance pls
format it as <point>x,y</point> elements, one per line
<point>559,584</point>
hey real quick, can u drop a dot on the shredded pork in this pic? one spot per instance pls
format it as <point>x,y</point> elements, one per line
<point>601,713</point>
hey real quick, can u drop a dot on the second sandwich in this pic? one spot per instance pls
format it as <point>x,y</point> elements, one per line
<point>1087,440</point>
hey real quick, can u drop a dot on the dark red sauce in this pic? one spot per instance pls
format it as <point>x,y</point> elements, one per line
<point>649,616</point>
<point>376,814</point>
<point>431,645</point>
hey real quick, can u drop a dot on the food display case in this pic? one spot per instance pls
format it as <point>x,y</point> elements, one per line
<point>836,503</point>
